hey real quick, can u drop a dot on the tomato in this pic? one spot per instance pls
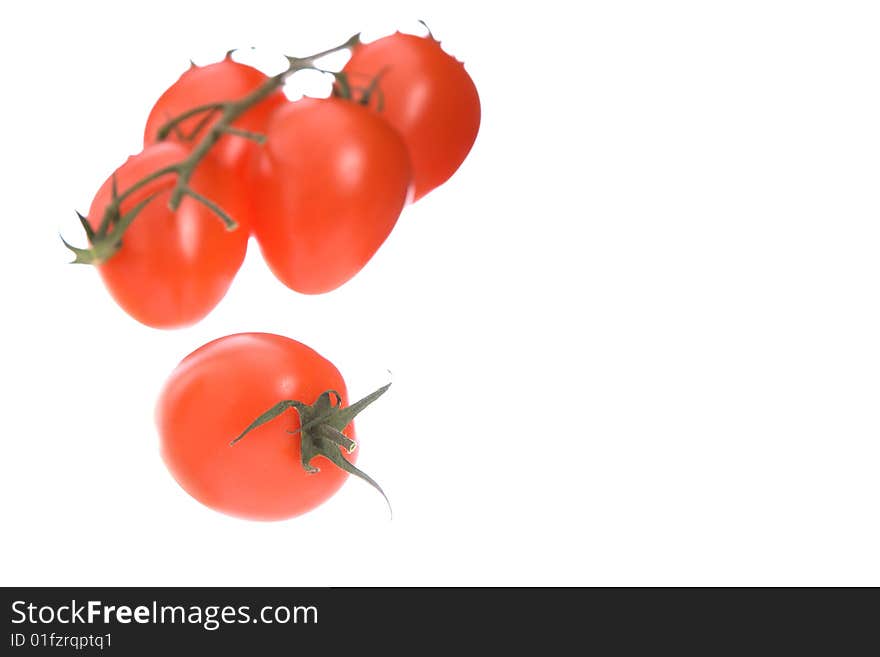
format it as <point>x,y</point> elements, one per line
<point>332,181</point>
<point>428,98</point>
<point>225,80</point>
<point>217,392</point>
<point>172,267</point>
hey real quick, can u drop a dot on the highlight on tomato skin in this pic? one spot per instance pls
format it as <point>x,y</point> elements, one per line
<point>427,96</point>
<point>333,179</point>
<point>173,267</point>
<point>215,393</point>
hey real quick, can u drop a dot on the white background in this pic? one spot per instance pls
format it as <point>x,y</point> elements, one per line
<point>633,341</point>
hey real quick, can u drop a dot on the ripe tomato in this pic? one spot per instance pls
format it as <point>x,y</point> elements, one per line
<point>332,180</point>
<point>215,393</point>
<point>428,98</point>
<point>225,80</point>
<point>173,267</point>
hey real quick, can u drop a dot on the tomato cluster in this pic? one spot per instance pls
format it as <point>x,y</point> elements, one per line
<point>320,183</point>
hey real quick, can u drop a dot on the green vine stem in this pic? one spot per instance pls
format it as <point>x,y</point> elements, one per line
<point>343,88</point>
<point>107,239</point>
<point>320,430</point>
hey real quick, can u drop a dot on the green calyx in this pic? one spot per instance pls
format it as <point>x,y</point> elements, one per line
<point>107,240</point>
<point>320,430</point>
<point>360,94</point>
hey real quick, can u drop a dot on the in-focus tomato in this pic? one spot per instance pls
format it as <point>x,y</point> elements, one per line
<point>218,391</point>
<point>332,180</point>
<point>226,80</point>
<point>428,98</point>
<point>172,267</point>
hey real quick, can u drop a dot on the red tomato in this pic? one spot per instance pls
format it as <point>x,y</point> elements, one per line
<point>173,267</point>
<point>215,393</point>
<point>333,178</point>
<point>428,98</point>
<point>225,80</point>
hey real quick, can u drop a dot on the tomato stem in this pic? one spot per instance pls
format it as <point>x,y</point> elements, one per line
<point>111,214</point>
<point>372,88</point>
<point>430,34</point>
<point>343,88</point>
<point>106,241</point>
<point>174,123</point>
<point>320,429</point>
<point>228,221</point>
<point>247,134</point>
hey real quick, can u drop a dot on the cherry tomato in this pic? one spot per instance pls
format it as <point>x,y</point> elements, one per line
<point>225,80</point>
<point>428,98</point>
<point>332,180</point>
<point>215,393</point>
<point>172,267</point>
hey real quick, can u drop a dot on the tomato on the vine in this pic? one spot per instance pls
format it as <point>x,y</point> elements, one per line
<point>238,385</point>
<point>226,80</point>
<point>173,267</point>
<point>332,181</point>
<point>427,96</point>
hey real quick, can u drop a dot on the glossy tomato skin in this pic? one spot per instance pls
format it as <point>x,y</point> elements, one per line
<point>173,267</point>
<point>429,99</point>
<point>332,181</point>
<point>225,80</point>
<point>214,394</point>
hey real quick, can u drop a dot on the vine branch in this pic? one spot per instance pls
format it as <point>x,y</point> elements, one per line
<point>107,239</point>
